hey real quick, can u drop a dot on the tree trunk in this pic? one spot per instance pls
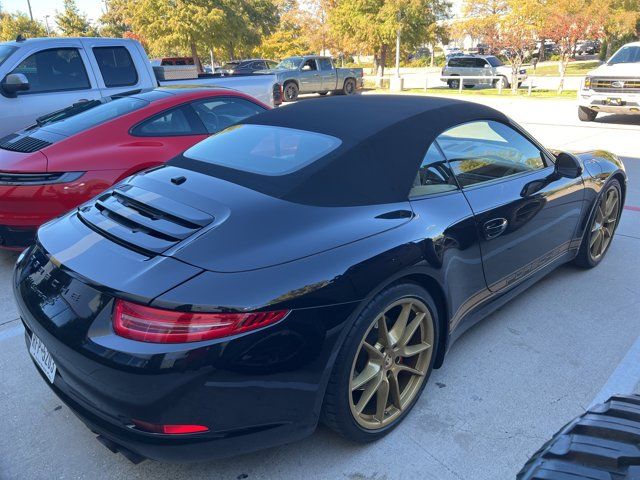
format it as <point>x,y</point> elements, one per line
<point>379,61</point>
<point>196,59</point>
<point>564,60</point>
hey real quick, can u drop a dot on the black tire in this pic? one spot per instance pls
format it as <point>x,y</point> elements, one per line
<point>469,86</point>
<point>584,257</point>
<point>336,412</point>
<point>586,114</point>
<point>601,443</point>
<point>349,87</point>
<point>290,92</point>
<point>323,93</point>
<point>519,84</point>
<point>505,82</point>
<point>454,84</point>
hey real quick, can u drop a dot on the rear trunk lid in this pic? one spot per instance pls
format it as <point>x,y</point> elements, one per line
<point>216,225</point>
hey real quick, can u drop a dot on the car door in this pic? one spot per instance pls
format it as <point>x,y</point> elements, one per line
<point>58,78</point>
<point>448,234</point>
<point>310,80</point>
<point>525,213</point>
<point>485,70</point>
<point>327,74</point>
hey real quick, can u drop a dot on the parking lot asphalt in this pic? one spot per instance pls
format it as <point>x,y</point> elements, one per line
<point>506,386</point>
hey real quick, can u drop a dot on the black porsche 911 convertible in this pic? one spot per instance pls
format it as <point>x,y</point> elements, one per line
<point>312,262</point>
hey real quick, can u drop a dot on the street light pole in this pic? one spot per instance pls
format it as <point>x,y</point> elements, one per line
<point>30,12</point>
<point>46,23</point>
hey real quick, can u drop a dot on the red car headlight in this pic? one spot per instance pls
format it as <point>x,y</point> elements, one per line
<point>154,325</point>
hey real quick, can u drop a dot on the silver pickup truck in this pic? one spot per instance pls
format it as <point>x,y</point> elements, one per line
<point>43,75</point>
<point>315,74</point>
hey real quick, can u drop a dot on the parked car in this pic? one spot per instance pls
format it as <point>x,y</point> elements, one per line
<point>67,159</point>
<point>43,75</point>
<point>314,261</point>
<point>247,67</point>
<point>589,47</point>
<point>315,74</point>
<point>613,87</point>
<point>479,66</point>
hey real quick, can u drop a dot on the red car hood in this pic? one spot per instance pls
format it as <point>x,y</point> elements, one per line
<point>35,162</point>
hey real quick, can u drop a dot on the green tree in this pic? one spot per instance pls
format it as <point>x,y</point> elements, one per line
<point>371,26</point>
<point>517,31</point>
<point>112,23</point>
<point>73,23</point>
<point>12,25</point>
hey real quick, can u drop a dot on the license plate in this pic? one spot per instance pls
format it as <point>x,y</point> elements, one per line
<point>42,357</point>
<point>614,101</point>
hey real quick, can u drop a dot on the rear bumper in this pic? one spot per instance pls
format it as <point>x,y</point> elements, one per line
<point>26,207</point>
<point>252,391</point>
<point>178,449</point>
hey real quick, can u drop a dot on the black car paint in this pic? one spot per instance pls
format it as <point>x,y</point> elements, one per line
<point>266,387</point>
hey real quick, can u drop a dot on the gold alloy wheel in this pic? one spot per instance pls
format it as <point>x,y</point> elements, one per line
<point>391,363</point>
<point>604,223</point>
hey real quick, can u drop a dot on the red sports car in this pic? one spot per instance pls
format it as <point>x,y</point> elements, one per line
<point>55,166</point>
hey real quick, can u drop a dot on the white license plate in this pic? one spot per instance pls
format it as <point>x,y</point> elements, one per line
<point>42,357</point>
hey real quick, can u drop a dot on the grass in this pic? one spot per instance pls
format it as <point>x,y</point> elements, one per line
<point>506,92</point>
<point>577,69</point>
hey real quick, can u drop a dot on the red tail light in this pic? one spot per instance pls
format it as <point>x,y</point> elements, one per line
<point>155,325</point>
<point>169,429</point>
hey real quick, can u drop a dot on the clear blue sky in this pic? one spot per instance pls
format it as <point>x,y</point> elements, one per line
<point>93,8</point>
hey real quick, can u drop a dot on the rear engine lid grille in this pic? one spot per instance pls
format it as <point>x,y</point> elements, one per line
<point>22,144</point>
<point>142,220</point>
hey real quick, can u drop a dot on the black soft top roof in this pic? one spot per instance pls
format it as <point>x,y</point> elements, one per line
<point>384,140</point>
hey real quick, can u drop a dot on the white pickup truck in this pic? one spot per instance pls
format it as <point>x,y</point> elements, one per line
<point>42,75</point>
<point>613,87</point>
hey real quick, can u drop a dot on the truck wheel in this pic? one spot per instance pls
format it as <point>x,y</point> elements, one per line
<point>601,443</point>
<point>586,114</point>
<point>349,87</point>
<point>505,82</point>
<point>453,84</point>
<point>383,364</point>
<point>322,93</point>
<point>291,91</point>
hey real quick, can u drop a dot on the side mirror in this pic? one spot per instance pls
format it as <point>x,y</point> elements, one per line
<point>306,68</point>
<point>568,165</point>
<point>14,83</point>
<point>486,65</point>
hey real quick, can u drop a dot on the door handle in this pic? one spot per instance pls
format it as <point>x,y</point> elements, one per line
<point>495,227</point>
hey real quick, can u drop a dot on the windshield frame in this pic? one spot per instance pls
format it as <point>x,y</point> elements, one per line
<point>296,61</point>
<point>620,52</point>
<point>10,50</point>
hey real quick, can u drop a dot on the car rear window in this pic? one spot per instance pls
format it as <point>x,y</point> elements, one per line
<point>95,116</point>
<point>263,149</point>
<point>5,52</point>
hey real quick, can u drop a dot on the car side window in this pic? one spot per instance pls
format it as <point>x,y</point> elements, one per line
<point>484,151</point>
<point>177,121</point>
<point>311,63</point>
<point>54,70</point>
<point>271,64</point>
<point>480,62</point>
<point>434,175</point>
<point>219,113</point>
<point>116,66</point>
<point>325,64</point>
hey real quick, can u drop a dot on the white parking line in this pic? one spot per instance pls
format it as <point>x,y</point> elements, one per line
<point>624,378</point>
<point>11,332</point>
